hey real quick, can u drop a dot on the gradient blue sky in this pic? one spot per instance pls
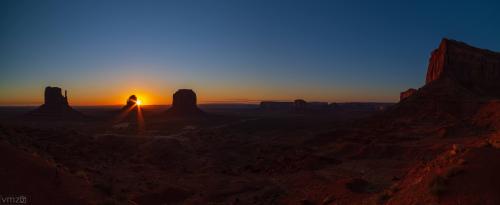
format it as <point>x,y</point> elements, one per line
<point>235,51</point>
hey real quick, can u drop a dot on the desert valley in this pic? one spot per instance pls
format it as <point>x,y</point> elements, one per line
<point>440,144</point>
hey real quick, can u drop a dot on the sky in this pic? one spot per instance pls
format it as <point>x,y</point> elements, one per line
<point>229,51</point>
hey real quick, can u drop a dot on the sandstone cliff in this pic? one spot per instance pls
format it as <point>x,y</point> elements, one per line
<point>474,68</point>
<point>459,79</point>
<point>457,66</point>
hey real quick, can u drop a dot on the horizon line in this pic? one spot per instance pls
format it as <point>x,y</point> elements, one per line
<point>201,104</point>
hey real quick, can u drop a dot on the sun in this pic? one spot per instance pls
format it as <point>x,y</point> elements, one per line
<point>138,102</point>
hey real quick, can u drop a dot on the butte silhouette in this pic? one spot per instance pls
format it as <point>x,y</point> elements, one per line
<point>56,106</point>
<point>184,104</point>
<point>130,111</point>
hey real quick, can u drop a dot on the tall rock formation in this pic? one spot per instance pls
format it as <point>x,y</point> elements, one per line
<point>130,111</point>
<point>457,70</point>
<point>131,103</point>
<point>184,99</point>
<point>459,101</point>
<point>474,68</point>
<point>53,97</point>
<point>184,104</point>
<point>55,106</point>
<point>460,78</point>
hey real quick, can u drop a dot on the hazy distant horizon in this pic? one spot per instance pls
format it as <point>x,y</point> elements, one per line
<point>255,103</point>
<point>332,51</point>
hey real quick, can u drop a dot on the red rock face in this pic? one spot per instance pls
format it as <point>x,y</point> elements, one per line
<point>472,67</point>
<point>407,93</point>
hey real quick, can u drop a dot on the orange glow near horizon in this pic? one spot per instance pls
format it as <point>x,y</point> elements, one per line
<point>142,99</point>
<point>114,95</point>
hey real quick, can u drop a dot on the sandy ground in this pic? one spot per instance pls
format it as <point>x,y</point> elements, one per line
<point>235,157</point>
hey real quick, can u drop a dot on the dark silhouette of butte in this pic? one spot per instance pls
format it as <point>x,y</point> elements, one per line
<point>55,106</point>
<point>129,111</point>
<point>184,104</point>
<point>131,103</point>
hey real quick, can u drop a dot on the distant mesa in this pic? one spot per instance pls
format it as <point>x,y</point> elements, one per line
<point>361,106</point>
<point>184,104</point>
<point>297,105</point>
<point>276,105</point>
<point>55,106</point>
<point>407,93</point>
<point>317,105</point>
<point>300,105</point>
